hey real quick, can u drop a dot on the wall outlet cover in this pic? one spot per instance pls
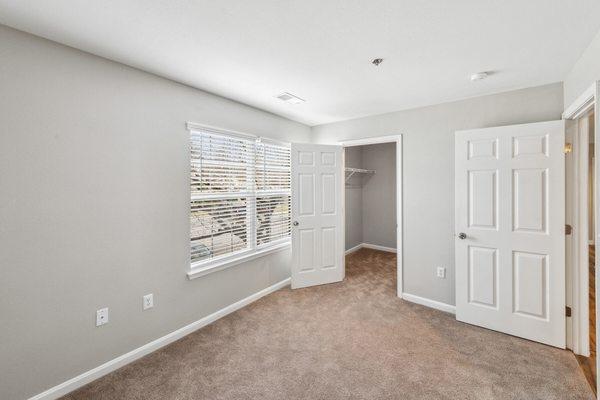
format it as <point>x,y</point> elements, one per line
<point>148,301</point>
<point>441,272</point>
<point>102,316</point>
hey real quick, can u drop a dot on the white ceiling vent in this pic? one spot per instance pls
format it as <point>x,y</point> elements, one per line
<point>290,98</point>
<point>479,76</point>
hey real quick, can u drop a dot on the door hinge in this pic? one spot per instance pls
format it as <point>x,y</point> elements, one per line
<point>568,148</point>
<point>568,311</point>
<point>568,229</point>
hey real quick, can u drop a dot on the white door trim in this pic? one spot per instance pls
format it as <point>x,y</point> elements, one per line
<point>587,101</point>
<point>584,103</point>
<point>399,228</point>
<point>577,263</point>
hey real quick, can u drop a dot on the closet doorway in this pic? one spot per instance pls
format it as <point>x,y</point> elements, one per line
<point>373,203</point>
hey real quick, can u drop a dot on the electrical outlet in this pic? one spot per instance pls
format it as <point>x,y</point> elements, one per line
<point>102,316</point>
<point>441,272</point>
<point>148,301</point>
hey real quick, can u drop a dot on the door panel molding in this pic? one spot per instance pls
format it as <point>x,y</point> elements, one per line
<point>509,202</point>
<point>317,215</point>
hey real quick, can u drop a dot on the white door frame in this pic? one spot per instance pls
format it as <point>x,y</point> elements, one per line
<point>376,140</point>
<point>577,251</point>
<point>587,101</point>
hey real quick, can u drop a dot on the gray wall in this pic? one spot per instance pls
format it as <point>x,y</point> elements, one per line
<point>94,210</point>
<point>353,201</point>
<point>428,165</point>
<point>585,71</point>
<point>379,195</point>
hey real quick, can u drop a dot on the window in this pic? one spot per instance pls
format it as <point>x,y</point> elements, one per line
<point>240,196</point>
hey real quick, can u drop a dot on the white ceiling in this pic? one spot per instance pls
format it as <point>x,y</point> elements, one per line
<point>320,50</point>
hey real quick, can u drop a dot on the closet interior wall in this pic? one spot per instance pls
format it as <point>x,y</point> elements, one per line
<point>371,198</point>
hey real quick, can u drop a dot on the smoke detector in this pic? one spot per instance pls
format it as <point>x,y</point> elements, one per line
<point>479,76</point>
<point>290,98</point>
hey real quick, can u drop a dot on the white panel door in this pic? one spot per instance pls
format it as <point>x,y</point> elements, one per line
<point>317,237</point>
<point>510,222</point>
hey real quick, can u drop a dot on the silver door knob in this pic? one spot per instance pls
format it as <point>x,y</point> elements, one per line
<point>462,236</point>
<point>296,223</point>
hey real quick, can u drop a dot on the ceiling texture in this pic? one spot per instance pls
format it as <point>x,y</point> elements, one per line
<point>321,50</point>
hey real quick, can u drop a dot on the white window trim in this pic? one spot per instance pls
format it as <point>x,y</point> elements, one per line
<point>202,268</point>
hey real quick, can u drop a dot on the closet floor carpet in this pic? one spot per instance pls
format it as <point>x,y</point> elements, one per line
<point>351,340</point>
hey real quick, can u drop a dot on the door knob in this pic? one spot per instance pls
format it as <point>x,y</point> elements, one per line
<point>296,223</point>
<point>462,236</point>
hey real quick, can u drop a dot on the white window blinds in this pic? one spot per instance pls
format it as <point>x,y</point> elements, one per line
<point>240,195</point>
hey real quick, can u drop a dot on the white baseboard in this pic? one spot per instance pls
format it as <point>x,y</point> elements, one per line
<point>370,246</point>
<point>377,247</point>
<point>93,374</point>
<point>429,303</point>
<point>353,249</point>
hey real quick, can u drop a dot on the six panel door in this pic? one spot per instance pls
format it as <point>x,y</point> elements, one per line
<point>317,237</point>
<point>509,202</point>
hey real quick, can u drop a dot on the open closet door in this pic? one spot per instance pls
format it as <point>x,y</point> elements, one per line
<point>317,214</point>
<point>510,230</point>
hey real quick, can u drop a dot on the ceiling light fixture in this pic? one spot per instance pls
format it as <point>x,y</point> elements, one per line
<point>290,98</point>
<point>479,76</point>
<point>377,61</point>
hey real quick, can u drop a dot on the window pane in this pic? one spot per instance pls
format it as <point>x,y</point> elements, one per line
<point>240,194</point>
<point>272,167</point>
<point>272,218</point>
<point>220,164</point>
<point>218,227</point>
<point>219,179</point>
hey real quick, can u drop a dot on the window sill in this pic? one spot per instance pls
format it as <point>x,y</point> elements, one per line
<point>197,272</point>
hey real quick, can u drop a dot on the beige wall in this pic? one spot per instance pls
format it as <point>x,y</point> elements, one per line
<point>94,210</point>
<point>428,165</point>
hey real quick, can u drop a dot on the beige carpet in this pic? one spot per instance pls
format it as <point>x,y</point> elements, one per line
<point>352,340</point>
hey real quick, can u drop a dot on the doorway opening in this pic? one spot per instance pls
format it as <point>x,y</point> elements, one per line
<point>372,208</point>
<point>580,244</point>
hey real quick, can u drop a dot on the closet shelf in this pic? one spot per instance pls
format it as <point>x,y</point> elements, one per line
<point>353,171</point>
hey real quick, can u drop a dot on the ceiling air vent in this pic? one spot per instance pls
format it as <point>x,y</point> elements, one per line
<point>290,98</point>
